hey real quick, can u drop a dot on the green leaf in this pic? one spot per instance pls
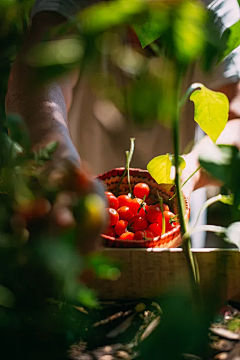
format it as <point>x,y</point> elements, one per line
<point>188,30</point>
<point>217,160</point>
<point>227,199</point>
<point>211,111</point>
<point>18,130</point>
<point>87,297</point>
<point>161,168</point>
<point>233,39</point>
<point>104,267</point>
<point>103,16</point>
<point>152,29</point>
<point>233,234</point>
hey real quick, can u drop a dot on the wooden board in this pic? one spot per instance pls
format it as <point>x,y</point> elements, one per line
<point>152,272</point>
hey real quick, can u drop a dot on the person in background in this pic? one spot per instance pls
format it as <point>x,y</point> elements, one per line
<point>90,128</point>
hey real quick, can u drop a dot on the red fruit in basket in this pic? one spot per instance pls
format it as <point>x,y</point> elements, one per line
<point>113,216</point>
<point>112,200</point>
<point>127,236</point>
<point>143,235</point>
<point>156,229</point>
<point>137,204</point>
<point>170,219</point>
<point>110,232</point>
<point>138,223</point>
<point>124,200</point>
<point>125,213</point>
<point>153,212</point>
<point>121,227</point>
<point>141,190</point>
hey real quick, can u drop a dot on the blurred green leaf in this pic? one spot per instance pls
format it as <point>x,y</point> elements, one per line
<point>103,16</point>
<point>233,39</point>
<point>104,267</point>
<point>18,131</point>
<point>152,29</point>
<point>161,168</point>
<point>233,234</point>
<point>211,111</point>
<point>188,28</point>
<point>217,160</point>
<point>6,297</point>
<point>87,297</point>
<point>227,199</point>
<point>45,153</point>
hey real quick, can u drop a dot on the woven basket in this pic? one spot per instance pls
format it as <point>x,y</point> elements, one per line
<point>170,239</point>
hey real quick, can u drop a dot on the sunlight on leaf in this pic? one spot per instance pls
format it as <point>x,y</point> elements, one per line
<point>233,40</point>
<point>233,234</point>
<point>189,30</point>
<point>101,17</point>
<point>160,168</point>
<point>227,199</point>
<point>211,111</point>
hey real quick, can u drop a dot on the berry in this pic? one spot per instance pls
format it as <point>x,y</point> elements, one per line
<point>113,216</point>
<point>156,229</point>
<point>138,223</point>
<point>141,190</point>
<point>112,200</point>
<point>125,213</point>
<point>124,200</point>
<point>127,236</point>
<point>121,227</point>
<point>153,213</point>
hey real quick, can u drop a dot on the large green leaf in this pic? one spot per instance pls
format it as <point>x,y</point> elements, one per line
<point>233,39</point>
<point>211,111</point>
<point>161,168</point>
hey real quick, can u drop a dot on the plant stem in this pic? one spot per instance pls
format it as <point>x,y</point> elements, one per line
<point>210,228</point>
<point>200,166</point>
<point>128,161</point>
<point>208,203</point>
<point>186,245</point>
<point>188,93</point>
<point>128,174</point>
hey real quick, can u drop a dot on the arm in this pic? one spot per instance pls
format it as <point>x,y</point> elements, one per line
<point>44,108</point>
<point>230,136</point>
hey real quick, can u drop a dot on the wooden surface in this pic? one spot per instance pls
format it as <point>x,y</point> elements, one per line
<point>152,272</point>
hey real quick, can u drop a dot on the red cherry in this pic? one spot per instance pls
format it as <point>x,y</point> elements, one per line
<point>141,190</point>
<point>153,212</point>
<point>112,200</point>
<point>113,216</point>
<point>110,232</point>
<point>125,213</point>
<point>124,200</point>
<point>127,236</point>
<point>143,235</point>
<point>156,229</point>
<point>121,227</point>
<point>138,223</point>
<point>135,206</point>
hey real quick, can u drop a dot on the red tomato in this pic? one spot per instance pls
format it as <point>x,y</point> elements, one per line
<point>124,200</point>
<point>127,236</point>
<point>125,213</point>
<point>156,229</point>
<point>153,212</point>
<point>143,235</point>
<point>112,200</point>
<point>113,216</point>
<point>135,206</point>
<point>121,227</point>
<point>138,223</point>
<point>110,232</point>
<point>168,217</point>
<point>140,190</point>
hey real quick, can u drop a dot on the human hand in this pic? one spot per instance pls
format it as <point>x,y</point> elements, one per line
<point>67,198</point>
